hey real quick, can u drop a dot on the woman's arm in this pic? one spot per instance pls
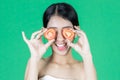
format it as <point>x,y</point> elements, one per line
<point>32,69</point>
<point>90,71</point>
<point>37,50</point>
<point>82,47</point>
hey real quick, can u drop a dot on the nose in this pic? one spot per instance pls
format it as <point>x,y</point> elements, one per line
<point>59,37</point>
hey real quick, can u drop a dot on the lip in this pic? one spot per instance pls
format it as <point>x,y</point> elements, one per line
<point>61,47</point>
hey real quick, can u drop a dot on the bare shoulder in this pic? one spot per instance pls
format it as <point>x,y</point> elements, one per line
<point>42,65</point>
<point>78,64</point>
<point>79,69</point>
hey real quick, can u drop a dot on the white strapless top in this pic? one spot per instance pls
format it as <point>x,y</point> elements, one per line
<point>48,77</point>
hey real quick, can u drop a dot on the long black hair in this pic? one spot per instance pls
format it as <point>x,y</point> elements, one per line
<point>63,10</point>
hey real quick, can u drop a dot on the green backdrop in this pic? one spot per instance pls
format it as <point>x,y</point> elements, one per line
<point>100,19</point>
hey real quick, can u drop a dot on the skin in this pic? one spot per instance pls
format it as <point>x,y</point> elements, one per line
<point>61,64</point>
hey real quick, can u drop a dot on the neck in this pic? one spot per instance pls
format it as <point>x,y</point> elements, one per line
<point>62,59</point>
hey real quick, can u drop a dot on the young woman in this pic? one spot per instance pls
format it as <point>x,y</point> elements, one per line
<point>60,28</point>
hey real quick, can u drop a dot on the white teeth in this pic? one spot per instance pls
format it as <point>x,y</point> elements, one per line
<point>60,45</point>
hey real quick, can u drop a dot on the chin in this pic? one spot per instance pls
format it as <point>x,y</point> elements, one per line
<point>62,53</point>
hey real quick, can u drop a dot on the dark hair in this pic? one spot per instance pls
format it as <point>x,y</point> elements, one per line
<point>63,10</point>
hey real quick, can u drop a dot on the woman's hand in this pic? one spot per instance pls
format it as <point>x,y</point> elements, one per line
<point>35,44</point>
<point>82,46</point>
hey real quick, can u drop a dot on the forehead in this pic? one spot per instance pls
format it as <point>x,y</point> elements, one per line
<point>59,22</point>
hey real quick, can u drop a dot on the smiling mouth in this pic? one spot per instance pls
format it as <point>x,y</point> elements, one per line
<point>61,47</point>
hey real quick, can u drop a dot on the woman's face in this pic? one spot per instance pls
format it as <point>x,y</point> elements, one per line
<point>60,45</point>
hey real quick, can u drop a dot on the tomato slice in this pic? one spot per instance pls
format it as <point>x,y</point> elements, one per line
<point>68,33</point>
<point>50,34</point>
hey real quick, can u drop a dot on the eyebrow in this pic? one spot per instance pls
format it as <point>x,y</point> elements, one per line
<point>68,26</point>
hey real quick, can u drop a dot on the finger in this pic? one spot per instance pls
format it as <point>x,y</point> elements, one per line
<point>40,34</point>
<point>81,37</point>
<point>37,32</point>
<point>24,37</point>
<point>49,43</point>
<point>74,46</point>
<point>84,35</point>
<point>80,42</point>
<point>77,27</point>
<point>77,30</point>
<point>79,33</point>
<point>34,34</point>
<point>69,43</point>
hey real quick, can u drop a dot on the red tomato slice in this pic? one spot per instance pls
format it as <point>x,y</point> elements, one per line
<point>68,34</point>
<point>50,34</point>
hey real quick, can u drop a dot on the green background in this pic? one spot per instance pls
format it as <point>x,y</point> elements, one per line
<point>100,19</point>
